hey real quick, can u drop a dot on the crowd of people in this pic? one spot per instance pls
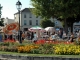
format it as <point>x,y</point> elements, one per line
<point>28,35</point>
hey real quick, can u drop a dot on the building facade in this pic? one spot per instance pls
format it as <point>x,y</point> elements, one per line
<point>28,19</point>
<point>76,27</point>
<point>8,21</point>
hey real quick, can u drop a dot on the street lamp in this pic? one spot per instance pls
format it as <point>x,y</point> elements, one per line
<point>19,5</point>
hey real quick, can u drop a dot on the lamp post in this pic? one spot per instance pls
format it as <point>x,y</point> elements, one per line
<point>19,5</point>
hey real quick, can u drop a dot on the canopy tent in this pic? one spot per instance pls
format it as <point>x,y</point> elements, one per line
<point>37,29</point>
<point>34,28</point>
<point>50,29</point>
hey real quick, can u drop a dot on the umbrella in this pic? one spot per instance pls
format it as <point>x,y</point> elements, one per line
<point>50,29</point>
<point>35,28</point>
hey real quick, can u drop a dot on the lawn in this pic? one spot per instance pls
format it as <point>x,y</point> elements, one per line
<point>40,55</point>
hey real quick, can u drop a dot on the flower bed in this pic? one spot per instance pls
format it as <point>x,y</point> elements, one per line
<point>9,40</point>
<point>51,41</point>
<point>42,47</point>
<point>27,48</point>
<point>67,49</point>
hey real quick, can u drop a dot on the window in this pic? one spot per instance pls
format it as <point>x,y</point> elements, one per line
<point>24,15</point>
<point>56,22</point>
<point>30,22</point>
<point>25,22</point>
<point>30,15</point>
<point>25,29</point>
<point>36,22</point>
<point>15,16</point>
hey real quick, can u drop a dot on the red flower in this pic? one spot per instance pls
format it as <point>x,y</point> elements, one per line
<point>8,40</point>
<point>51,42</point>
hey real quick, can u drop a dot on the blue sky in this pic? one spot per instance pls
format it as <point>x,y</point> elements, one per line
<point>9,7</point>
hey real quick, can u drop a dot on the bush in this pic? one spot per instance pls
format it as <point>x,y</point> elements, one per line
<point>4,44</point>
<point>35,51</point>
<point>46,48</point>
<point>77,42</point>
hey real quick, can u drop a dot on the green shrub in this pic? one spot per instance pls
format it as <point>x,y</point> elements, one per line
<point>35,51</point>
<point>46,48</point>
<point>77,42</point>
<point>5,44</point>
<point>27,42</point>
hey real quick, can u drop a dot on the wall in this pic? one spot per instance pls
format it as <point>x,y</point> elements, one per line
<point>8,21</point>
<point>17,57</point>
<point>34,18</point>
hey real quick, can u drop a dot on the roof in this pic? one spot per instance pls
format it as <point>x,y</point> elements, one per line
<point>8,18</point>
<point>25,10</point>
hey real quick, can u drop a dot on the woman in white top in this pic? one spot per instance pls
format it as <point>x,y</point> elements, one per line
<point>35,37</point>
<point>53,36</point>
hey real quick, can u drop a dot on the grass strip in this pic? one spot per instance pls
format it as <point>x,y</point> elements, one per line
<point>40,55</point>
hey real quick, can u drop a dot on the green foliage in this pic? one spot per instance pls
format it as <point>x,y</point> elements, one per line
<point>2,22</point>
<point>4,44</point>
<point>9,46</point>
<point>9,49</point>
<point>27,41</point>
<point>58,8</point>
<point>77,41</point>
<point>35,51</point>
<point>46,49</point>
<point>46,23</point>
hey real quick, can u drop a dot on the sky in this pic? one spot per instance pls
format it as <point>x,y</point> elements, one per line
<point>9,7</point>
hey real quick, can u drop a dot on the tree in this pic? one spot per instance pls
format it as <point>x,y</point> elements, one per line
<point>46,23</point>
<point>71,20</point>
<point>56,8</point>
<point>2,22</point>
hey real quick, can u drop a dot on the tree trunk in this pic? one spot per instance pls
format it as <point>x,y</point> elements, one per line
<point>66,26</point>
<point>71,27</point>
